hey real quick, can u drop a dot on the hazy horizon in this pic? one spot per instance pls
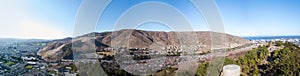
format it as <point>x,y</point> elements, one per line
<point>143,30</point>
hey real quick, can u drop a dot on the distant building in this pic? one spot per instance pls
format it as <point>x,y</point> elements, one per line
<point>28,58</point>
<point>32,63</point>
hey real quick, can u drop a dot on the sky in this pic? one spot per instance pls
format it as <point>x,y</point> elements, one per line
<point>54,19</point>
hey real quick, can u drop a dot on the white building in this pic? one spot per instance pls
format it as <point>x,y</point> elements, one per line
<point>28,58</point>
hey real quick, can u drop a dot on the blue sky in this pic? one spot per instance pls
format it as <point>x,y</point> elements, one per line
<point>52,19</point>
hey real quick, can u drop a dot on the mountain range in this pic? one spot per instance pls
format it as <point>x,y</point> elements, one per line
<point>64,48</point>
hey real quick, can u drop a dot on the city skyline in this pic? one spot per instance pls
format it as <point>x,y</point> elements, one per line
<point>54,19</point>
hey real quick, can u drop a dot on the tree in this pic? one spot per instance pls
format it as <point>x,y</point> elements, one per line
<point>278,43</point>
<point>229,61</point>
<point>255,71</point>
<point>284,61</point>
<point>202,68</point>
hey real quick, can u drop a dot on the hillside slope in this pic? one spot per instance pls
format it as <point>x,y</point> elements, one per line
<point>61,49</point>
